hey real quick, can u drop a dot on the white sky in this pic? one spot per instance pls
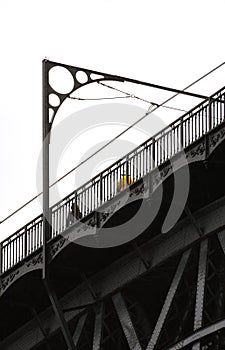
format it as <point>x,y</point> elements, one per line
<point>165,42</point>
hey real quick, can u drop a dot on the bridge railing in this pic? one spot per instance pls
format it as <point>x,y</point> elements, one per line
<point>129,169</point>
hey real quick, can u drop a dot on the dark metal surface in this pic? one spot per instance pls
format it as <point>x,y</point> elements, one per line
<point>99,309</point>
<point>79,328</point>
<point>126,322</point>
<point>60,316</point>
<point>200,289</point>
<point>157,252</point>
<point>168,300</point>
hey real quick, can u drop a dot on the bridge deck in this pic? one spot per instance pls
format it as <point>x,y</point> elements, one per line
<point>135,165</point>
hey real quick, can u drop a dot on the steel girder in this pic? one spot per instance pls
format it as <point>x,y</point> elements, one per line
<point>127,270</point>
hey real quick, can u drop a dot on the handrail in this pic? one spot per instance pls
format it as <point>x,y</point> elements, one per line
<point>104,186</point>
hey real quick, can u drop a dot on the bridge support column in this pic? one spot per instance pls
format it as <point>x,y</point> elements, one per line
<point>60,316</point>
<point>126,322</point>
<point>79,328</point>
<point>200,289</point>
<point>168,301</point>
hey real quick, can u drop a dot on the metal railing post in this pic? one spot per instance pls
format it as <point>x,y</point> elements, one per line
<point>127,171</point>
<point>182,133</point>
<point>1,260</point>
<point>101,189</point>
<point>25,241</point>
<point>210,115</point>
<point>153,153</point>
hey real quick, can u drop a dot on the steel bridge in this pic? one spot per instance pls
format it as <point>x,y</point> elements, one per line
<point>152,290</point>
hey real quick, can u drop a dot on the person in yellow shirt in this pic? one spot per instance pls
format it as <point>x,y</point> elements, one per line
<point>123,182</point>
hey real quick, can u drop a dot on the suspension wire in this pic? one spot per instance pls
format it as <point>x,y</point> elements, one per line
<point>139,98</point>
<point>97,99</point>
<point>127,96</point>
<point>92,155</point>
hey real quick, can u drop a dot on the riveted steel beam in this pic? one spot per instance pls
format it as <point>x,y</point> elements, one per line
<point>193,220</point>
<point>126,322</point>
<point>200,289</point>
<point>79,328</point>
<point>127,268</point>
<point>60,316</point>
<point>43,331</point>
<point>99,309</point>
<point>200,334</point>
<point>221,237</point>
<point>168,301</point>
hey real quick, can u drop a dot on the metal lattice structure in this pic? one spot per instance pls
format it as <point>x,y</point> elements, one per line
<point>157,291</point>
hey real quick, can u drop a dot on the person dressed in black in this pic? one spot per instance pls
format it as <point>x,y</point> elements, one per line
<point>74,214</point>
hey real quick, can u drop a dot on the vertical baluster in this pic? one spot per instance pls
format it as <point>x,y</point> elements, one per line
<point>116,179</point>
<point>38,234</point>
<point>131,167</point>
<point>182,133</point>
<point>176,139</point>
<point>63,213</point>
<point>40,243</point>
<point>107,185</point>
<point>86,201</point>
<point>32,237</point>
<point>146,159</point>
<point>58,221</point>
<point>204,112</point>
<point>25,242</point>
<point>96,194</point>
<point>221,108</point>
<point>83,202</point>
<point>171,142</point>
<point>210,115</point>
<point>127,171</point>
<point>110,184</point>
<point>61,216</point>
<point>164,147</point>
<point>17,247</point>
<point>33,243</point>
<point>90,199</point>
<point>1,258</point>
<point>101,189</point>
<point>7,257</point>
<point>199,123</point>
<point>160,148</point>
<point>53,223</point>
<point>192,128</point>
